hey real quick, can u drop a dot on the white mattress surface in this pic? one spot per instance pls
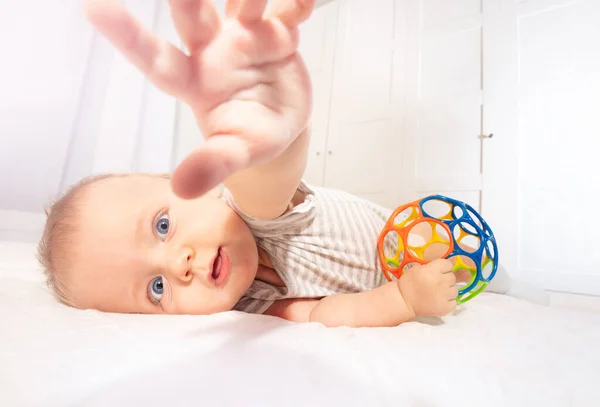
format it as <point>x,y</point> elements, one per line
<point>495,351</point>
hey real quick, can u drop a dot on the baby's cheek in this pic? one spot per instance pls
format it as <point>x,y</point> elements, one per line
<point>231,222</point>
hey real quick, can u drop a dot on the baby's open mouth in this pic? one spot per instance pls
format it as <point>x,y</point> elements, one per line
<point>220,268</point>
<point>216,268</point>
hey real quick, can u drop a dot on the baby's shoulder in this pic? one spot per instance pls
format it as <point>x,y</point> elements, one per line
<point>301,211</point>
<point>314,207</point>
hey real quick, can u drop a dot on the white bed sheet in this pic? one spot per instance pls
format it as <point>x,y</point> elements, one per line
<point>496,351</point>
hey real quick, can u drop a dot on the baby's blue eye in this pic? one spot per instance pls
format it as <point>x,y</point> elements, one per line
<point>155,290</point>
<point>162,226</point>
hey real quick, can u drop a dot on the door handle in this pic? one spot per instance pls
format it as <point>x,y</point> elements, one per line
<point>482,136</point>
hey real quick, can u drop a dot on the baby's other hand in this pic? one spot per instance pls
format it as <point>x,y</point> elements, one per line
<point>430,289</point>
<point>242,76</point>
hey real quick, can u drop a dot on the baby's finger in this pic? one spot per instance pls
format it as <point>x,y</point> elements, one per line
<point>449,279</point>
<point>231,8</point>
<point>251,10</point>
<point>164,65</point>
<point>445,265</point>
<point>291,12</point>
<point>463,275</point>
<point>453,292</point>
<point>196,21</point>
<point>208,166</point>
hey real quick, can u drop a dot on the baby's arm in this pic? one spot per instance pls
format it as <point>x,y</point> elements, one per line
<point>265,191</point>
<point>245,82</point>
<point>383,306</point>
<point>427,290</point>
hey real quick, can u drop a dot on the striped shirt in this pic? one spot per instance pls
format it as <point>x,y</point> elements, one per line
<point>324,246</point>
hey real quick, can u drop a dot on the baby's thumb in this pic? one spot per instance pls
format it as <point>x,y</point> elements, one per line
<point>208,166</point>
<point>444,265</point>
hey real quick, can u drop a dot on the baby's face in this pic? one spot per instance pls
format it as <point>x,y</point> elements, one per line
<point>142,249</point>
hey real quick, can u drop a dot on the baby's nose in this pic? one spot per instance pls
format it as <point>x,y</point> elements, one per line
<point>180,265</point>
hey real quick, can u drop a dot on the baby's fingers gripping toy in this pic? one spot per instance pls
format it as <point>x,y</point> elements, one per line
<point>440,227</point>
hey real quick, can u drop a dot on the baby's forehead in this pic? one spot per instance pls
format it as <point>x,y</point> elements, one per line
<point>125,188</point>
<point>118,202</point>
<point>128,182</point>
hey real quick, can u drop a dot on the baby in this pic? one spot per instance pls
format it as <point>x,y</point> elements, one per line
<point>234,227</point>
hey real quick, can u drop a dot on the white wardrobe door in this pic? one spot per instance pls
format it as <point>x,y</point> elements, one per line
<point>444,99</point>
<point>559,99</point>
<point>363,155</point>
<point>317,47</point>
<point>557,186</point>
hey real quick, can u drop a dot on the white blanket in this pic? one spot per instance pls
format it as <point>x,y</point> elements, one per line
<point>495,351</point>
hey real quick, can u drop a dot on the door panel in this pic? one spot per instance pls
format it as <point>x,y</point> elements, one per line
<point>363,146</point>
<point>363,163</point>
<point>444,120</point>
<point>464,196</point>
<point>547,204</point>
<point>438,12</point>
<point>317,47</point>
<point>448,145</point>
<point>559,97</point>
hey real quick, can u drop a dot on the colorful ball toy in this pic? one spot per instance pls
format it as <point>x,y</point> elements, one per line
<point>440,227</point>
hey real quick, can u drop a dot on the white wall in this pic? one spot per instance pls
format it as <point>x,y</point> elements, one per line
<point>70,107</point>
<point>43,71</point>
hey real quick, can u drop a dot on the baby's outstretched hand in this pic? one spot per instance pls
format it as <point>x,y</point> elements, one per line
<point>242,77</point>
<point>430,290</point>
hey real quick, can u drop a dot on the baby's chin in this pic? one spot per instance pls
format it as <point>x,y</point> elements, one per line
<point>224,298</point>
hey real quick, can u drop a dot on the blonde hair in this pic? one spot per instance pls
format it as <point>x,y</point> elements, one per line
<point>59,235</point>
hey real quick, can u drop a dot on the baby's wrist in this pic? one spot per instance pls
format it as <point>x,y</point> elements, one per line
<point>405,300</point>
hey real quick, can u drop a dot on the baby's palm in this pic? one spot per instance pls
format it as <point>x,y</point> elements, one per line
<point>242,77</point>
